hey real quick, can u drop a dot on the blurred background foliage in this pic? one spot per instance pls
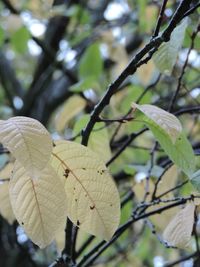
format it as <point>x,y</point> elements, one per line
<point>55,64</point>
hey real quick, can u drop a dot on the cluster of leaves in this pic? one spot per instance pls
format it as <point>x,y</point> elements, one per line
<point>40,173</point>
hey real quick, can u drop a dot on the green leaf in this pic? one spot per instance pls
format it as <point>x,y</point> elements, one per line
<point>85,84</point>
<point>2,36</point>
<point>195,180</point>
<point>175,145</point>
<point>166,56</point>
<point>19,40</point>
<point>91,64</point>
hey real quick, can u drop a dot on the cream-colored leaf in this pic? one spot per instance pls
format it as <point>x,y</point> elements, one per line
<point>99,142</point>
<point>71,108</point>
<point>179,230</point>
<point>38,204</point>
<point>92,197</point>
<point>168,181</point>
<point>60,237</point>
<point>145,72</point>
<point>99,139</point>
<point>29,141</point>
<point>5,206</point>
<point>6,171</point>
<point>167,121</point>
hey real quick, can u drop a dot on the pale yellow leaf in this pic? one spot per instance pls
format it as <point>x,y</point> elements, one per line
<point>5,206</point>
<point>60,237</point>
<point>70,109</point>
<point>140,189</point>
<point>92,198</point>
<point>6,171</point>
<point>29,142</point>
<point>99,142</point>
<point>118,54</point>
<point>167,121</point>
<point>38,204</point>
<point>168,182</point>
<point>145,72</point>
<point>179,230</point>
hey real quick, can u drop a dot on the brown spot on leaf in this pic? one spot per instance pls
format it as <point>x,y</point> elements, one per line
<point>66,173</point>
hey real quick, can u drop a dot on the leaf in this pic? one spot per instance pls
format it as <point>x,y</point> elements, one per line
<point>195,180</point>
<point>99,138</point>
<point>167,121</point>
<point>91,63</point>
<point>165,57</point>
<point>6,171</point>
<point>167,182</point>
<point>145,73</point>
<point>39,205</point>
<point>179,230</point>
<point>5,205</point>
<point>92,197</point>
<point>168,131</point>
<point>85,84</point>
<point>19,40</point>
<point>71,108</point>
<point>29,142</point>
<point>60,237</point>
<point>2,36</point>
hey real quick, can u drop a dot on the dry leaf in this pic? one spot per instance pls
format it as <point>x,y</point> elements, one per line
<point>38,204</point>
<point>71,108</point>
<point>92,198</point>
<point>179,230</point>
<point>145,72</point>
<point>5,206</point>
<point>29,142</point>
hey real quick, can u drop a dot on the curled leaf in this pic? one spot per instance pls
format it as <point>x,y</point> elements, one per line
<point>167,121</point>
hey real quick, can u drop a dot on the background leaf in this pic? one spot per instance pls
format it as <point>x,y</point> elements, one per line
<point>99,138</point>
<point>71,108</point>
<point>19,40</point>
<point>165,57</point>
<point>91,64</point>
<point>179,230</point>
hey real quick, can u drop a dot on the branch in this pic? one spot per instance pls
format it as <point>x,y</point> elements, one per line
<point>89,258</point>
<point>160,18</point>
<point>10,83</point>
<point>174,97</point>
<point>154,43</point>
